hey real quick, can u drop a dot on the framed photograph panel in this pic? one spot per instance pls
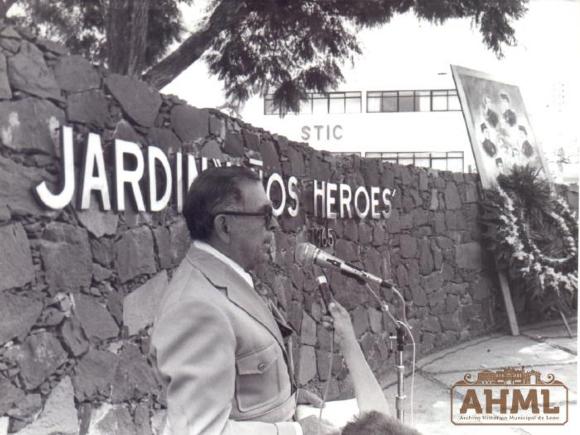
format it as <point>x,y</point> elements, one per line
<point>498,125</point>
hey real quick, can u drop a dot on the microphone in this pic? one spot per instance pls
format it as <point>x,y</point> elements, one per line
<point>306,254</point>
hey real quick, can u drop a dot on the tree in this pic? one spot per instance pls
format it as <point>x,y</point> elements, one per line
<point>284,47</point>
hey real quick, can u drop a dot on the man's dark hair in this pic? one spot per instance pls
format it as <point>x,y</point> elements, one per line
<point>375,423</point>
<point>504,96</point>
<point>213,190</point>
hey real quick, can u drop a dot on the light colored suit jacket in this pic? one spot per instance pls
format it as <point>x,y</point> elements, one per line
<point>221,354</point>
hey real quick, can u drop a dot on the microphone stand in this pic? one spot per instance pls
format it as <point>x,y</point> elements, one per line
<point>400,337</point>
<point>400,364</point>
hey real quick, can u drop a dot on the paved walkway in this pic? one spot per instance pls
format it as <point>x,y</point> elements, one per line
<point>544,347</point>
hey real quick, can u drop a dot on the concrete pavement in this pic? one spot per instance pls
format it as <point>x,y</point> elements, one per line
<point>545,347</point>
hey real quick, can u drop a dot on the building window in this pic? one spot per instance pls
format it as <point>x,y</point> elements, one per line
<point>445,100</point>
<point>331,102</point>
<point>412,101</point>
<point>445,161</point>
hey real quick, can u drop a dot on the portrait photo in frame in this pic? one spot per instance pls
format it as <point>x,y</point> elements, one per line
<point>498,125</point>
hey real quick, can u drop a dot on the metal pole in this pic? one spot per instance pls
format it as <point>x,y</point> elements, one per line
<point>400,375</point>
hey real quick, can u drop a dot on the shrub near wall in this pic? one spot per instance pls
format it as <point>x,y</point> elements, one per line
<point>79,289</point>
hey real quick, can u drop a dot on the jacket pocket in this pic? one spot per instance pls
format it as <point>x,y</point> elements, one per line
<point>258,380</point>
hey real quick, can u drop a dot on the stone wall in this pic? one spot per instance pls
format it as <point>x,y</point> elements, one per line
<point>79,289</point>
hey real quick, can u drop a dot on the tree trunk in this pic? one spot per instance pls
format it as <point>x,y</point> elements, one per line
<point>138,45</point>
<point>194,46</point>
<point>126,29</point>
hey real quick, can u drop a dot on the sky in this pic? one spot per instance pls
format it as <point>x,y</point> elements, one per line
<point>408,53</point>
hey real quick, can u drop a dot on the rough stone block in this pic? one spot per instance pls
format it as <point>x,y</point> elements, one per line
<point>28,73</point>
<point>308,330</point>
<point>5,90</point>
<point>17,315</point>
<point>413,272</point>
<point>73,337</point>
<point>471,194</point>
<point>10,39</point>
<point>402,276</point>
<point>134,254</point>
<point>94,318</point>
<point>30,125</point>
<point>16,267</point>
<point>11,397</point>
<point>351,230</point>
<point>451,303</point>
<point>165,139</point>
<point>452,199</point>
<point>89,107</point>
<point>142,419</point>
<point>451,322</point>
<point>420,217</point>
<point>379,235</point>
<point>233,144</point>
<point>97,222</point>
<point>141,305</point>
<point>111,420</point>
<point>376,320</point>
<point>433,281</point>
<point>16,193</point>
<point>360,320</point>
<point>431,324</point>
<point>66,255</point>
<point>346,250</point>
<point>419,296</point>
<point>133,378</point>
<point>469,256</point>
<point>426,263</point>
<point>408,246</point>
<point>217,127</point>
<point>180,241</point>
<point>59,414</point>
<point>481,289</point>
<point>38,357</point>
<point>102,250</point>
<point>190,123</point>
<point>296,161</point>
<point>307,365</point>
<point>140,102</point>
<point>270,156</point>
<point>93,375</point>
<point>76,74</point>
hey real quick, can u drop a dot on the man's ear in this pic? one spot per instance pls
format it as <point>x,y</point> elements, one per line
<point>221,228</point>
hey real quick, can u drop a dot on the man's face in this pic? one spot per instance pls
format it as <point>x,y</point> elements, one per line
<point>505,104</point>
<point>252,236</point>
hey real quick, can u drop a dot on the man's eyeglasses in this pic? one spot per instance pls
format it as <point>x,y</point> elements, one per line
<point>268,215</point>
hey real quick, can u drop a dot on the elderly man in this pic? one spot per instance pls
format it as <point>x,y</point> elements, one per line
<point>216,341</point>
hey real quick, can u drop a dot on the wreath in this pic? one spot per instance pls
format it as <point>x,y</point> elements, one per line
<point>534,236</point>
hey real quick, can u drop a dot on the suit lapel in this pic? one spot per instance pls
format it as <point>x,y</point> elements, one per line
<point>236,288</point>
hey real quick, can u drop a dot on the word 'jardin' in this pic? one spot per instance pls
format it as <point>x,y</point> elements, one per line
<point>134,167</point>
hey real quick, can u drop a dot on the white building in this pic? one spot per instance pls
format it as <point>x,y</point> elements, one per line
<point>410,55</point>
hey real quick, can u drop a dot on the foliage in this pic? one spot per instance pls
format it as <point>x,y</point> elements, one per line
<point>284,47</point>
<point>81,25</point>
<point>534,237</point>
